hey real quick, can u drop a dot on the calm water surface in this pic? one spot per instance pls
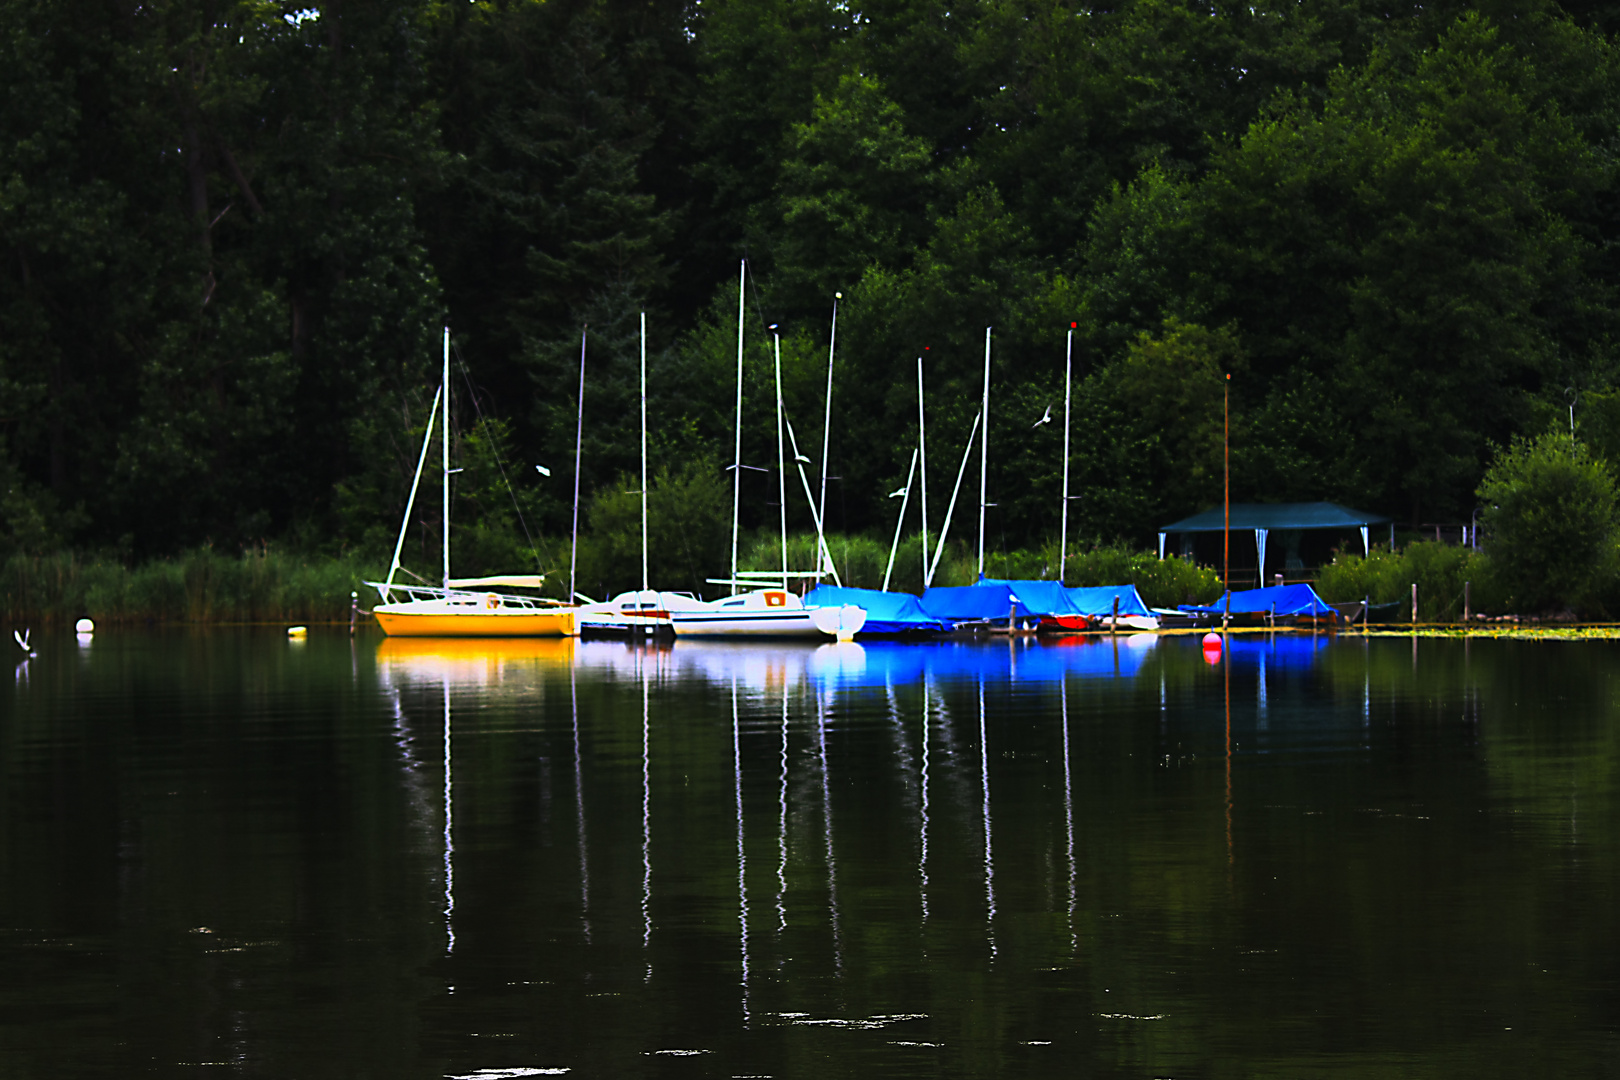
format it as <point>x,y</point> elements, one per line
<point>231,854</point>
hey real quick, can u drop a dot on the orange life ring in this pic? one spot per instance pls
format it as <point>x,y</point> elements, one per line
<point>492,601</point>
<point>776,599</point>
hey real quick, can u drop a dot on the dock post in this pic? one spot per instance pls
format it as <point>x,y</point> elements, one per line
<point>1414,603</point>
<point>1467,608</point>
<point>1113,624</point>
<point>354,610</point>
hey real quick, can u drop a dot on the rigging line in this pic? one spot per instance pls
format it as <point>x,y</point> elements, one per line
<point>495,451</point>
<point>753,286</point>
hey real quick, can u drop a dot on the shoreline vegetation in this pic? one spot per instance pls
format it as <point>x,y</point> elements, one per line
<point>1552,554</point>
<point>265,584</point>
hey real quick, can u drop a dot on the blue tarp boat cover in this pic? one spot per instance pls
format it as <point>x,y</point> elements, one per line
<point>1278,600</point>
<point>972,603</point>
<point>886,612</point>
<point>1038,597</point>
<point>1099,600</point>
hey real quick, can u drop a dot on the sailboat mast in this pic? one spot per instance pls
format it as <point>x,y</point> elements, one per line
<point>1063,528</point>
<point>922,461</point>
<point>579,441</point>
<point>984,447</point>
<point>445,500</point>
<point>643,452</point>
<point>736,462</point>
<point>826,427</point>
<point>410,503</point>
<point>781,454</point>
<point>911,472</point>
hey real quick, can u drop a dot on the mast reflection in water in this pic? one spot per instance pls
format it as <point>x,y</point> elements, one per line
<point>513,858</point>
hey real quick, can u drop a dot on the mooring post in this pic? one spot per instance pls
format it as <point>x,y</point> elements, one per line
<point>1467,608</point>
<point>354,610</point>
<point>1414,603</point>
<point>1113,624</point>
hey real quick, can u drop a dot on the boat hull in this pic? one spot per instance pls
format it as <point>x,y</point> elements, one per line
<point>398,621</point>
<point>764,624</point>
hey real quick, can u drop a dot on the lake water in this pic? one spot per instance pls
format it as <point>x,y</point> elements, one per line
<point>228,853</point>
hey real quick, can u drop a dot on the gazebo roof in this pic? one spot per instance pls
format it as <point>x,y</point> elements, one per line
<point>1315,515</point>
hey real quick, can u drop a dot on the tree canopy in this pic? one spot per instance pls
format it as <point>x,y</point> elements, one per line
<point>233,228</point>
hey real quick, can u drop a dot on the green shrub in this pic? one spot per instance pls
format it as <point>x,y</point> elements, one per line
<point>1162,582</point>
<point>1438,570</point>
<point>1551,523</point>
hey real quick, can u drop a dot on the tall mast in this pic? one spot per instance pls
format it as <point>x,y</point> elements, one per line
<point>410,503</point>
<point>900,521</point>
<point>922,461</point>
<point>445,503</point>
<point>826,427</point>
<point>736,462</point>
<point>579,442</point>
<point>1063,529</point>
<point>781,455</point>
<point>643,451</point>
<point>984,447</point>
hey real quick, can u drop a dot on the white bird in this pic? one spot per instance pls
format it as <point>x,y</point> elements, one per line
<point>1047,419</point>
<point>22,641</point>
<point>542,470</point>
<point>895,494</point>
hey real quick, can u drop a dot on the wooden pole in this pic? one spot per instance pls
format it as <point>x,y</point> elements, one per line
<point>1414,603</point>
<point>1226,474</point>
<point>1467,606</point>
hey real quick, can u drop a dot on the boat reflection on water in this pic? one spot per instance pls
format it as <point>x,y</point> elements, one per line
<point>475,661</point>
<point>956,739</point>
<point>766,665</point>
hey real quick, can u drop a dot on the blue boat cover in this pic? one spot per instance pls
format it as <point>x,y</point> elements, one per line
<point>1099,600</point>
<point>1280,600</point>
<point>1039,597</point>
<point>886,612</point>
<point>972,603</point>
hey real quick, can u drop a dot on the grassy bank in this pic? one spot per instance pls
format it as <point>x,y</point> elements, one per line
<point>263,585</point>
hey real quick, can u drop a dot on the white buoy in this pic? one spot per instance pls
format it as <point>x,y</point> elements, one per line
<point>84,626</point>
<point>297,631</point>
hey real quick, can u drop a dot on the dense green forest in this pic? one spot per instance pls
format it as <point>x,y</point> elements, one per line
<point>233,229</point>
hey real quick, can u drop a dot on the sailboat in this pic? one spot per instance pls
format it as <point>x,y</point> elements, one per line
<point>768,608</point>
<point>462,607</point>
<point>644,611</point>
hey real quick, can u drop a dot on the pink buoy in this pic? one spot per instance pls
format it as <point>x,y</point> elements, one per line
<point>1212,648</point>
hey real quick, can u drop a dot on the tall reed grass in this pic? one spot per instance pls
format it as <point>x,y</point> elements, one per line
<point>260,585</point>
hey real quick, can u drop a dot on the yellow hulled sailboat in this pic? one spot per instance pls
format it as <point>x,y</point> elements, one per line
<point>463,607</point>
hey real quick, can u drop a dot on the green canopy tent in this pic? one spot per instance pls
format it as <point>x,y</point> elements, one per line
<point>1263,518</point>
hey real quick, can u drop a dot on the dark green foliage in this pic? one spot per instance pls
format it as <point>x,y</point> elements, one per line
<point>232,230</point>
<point>1551,522</point>
<point>688,507</point>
